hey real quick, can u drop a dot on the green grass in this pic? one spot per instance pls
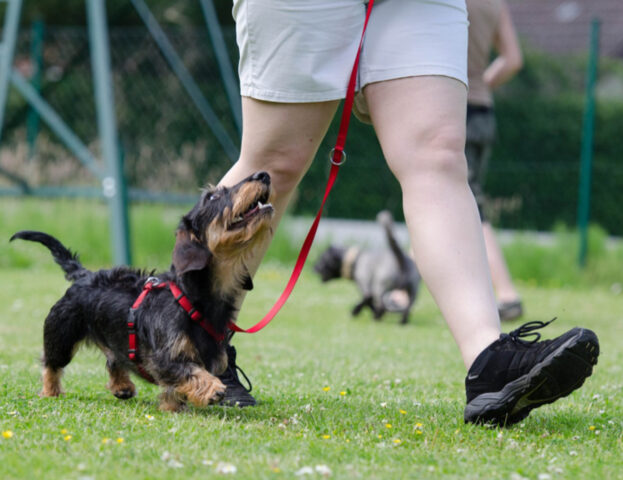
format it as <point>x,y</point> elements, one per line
<point>378,374</point>
<point>328,386</point>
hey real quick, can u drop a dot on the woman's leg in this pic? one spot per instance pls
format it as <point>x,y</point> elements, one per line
<point>420,123</point>
<point>282,139</point>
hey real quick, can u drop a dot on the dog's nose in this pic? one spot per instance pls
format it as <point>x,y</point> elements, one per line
<point>263,177</point>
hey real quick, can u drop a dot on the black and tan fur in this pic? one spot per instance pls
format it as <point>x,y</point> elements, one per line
<point>213,242</point>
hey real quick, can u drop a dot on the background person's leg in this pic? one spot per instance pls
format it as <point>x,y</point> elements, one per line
<point>420,122</point>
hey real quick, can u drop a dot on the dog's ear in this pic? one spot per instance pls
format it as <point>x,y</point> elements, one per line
<point>188,253</point>
<point>247,281</point>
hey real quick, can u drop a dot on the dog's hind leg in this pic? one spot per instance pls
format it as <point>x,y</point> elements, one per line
<point>119,384</point>
<point>62,333</point>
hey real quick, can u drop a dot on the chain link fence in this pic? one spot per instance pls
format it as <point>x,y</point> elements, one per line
<point>168,147</point>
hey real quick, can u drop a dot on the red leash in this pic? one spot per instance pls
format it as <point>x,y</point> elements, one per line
<point>338,157</point>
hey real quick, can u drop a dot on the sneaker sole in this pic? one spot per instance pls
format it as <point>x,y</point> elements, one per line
<point>541,385</point>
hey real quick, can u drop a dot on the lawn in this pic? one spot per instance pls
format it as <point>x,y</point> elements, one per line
<point>338,397</point>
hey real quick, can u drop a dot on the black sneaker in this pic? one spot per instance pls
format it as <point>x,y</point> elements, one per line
<point>512,376</point>
<point>510,310</point>
<point>236,394</point>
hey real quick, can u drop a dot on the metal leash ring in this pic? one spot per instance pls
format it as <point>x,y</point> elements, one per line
<point>342,160</point>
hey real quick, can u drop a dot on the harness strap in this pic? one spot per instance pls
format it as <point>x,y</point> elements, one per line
<point>182,300</point>
<point>338,157</point>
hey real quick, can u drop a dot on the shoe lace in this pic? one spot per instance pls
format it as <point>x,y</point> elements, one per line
<point>234,371</point>
<point>528,330</point>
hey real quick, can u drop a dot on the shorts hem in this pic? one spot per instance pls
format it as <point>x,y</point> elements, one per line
<point>269,95</point>
<point>380,75</point>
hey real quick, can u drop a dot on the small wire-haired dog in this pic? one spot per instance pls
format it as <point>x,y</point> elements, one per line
<point>388,279</point>
<point>169,328</point>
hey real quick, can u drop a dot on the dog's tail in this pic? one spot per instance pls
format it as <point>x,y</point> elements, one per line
<point>68,261</point>
<point>386,220</point>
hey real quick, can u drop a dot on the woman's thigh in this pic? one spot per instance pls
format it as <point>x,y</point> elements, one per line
<point>420,123</point>
<point>281,138</point>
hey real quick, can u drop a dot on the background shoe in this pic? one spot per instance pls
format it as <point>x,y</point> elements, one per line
<point>513,376</point>
<point>510,310</point>
<point>236,394</point>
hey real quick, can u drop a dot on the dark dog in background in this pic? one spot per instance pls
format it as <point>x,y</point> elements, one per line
<point>173,349</point>
<point>388,279</point>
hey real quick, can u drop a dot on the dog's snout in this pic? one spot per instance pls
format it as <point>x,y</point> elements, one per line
<point>263,177</point>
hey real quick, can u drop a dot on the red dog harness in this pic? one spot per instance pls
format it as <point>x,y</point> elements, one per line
<point>182,300</point>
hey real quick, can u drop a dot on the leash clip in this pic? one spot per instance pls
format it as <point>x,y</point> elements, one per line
<point>152,282</point>
<point>342,157</point>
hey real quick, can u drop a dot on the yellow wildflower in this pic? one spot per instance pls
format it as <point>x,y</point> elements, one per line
<point>388,425</point>
<point>397,441</point>
<point>7,434</point>
<point>120,440</point>
<point>67,438</point>
<point>402,412</point>
<point>342,393</point>
<point>326,437</point>
<point>64,431</point>
<point>326,389</point>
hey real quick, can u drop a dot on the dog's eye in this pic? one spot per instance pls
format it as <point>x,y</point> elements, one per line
<point>214,196</point>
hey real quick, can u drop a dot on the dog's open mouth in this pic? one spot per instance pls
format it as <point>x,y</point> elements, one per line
<point>256,208</point>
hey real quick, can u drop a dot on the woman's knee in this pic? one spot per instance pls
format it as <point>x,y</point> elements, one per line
<point>438,152</point>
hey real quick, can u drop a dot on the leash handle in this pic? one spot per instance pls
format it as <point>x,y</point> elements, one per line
<point>337,159</point>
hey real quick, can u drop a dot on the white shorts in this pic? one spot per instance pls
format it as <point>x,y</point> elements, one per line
<point>297,51</point>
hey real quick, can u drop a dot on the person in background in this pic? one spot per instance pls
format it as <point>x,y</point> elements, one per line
<point>490,30</point>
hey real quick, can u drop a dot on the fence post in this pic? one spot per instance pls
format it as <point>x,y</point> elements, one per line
<point>586,159</point>
<point>36,59</point>
<point>7,49</point>
<point>224,63</point>
<point>113,184</point>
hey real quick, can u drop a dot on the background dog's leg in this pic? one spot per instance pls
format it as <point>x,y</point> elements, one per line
<point>378,312</point>
<point>365,302</point>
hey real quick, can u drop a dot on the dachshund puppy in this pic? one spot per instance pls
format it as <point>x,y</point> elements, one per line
<point>169,328</point>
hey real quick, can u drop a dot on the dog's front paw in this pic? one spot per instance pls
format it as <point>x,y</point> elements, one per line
<point>202,389</point>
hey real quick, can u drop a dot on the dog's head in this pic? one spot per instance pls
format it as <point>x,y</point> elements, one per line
<point>329,265</point>
<point>225,227</point>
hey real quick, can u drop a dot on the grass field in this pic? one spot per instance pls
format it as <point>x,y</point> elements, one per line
<point>357,398</point>
<point>338,397</point>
